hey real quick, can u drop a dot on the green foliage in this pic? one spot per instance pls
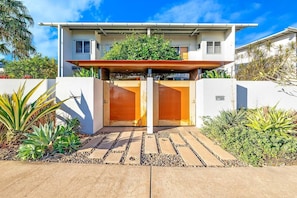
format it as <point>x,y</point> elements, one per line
<point>142,47</point>
<point>273,120</point>
<point>38,143</point>
<point>18,115</point>
<point>46,140</point>
<point>36,67</point>
<point>15,36</point>
<point>215,74</point>
<point>251,146</point>
<point>86,73</point>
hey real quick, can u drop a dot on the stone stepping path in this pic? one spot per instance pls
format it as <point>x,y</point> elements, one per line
<point>133,155</point>
<point>100,151</point>
<point>125,146</point>
<point>150,144</point>
<point>176,139</point>
<point>188,156</point>
<point>204,154</point>
<point>216,149</point>
<point>166,146</point>
<point>91,144</point>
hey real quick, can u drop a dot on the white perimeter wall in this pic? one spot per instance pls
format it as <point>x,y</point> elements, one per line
<point>213,96</point>
<point>253,94</point>
<point>9,86</point>
<point>87,104</point>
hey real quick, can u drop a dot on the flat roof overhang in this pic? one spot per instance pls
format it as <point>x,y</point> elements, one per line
<point>143,65</point>
<point>190,29</point>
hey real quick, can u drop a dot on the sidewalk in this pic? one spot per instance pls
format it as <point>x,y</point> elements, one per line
<point>22,179</point>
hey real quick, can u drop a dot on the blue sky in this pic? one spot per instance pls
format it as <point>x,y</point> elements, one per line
<point>272,16</point>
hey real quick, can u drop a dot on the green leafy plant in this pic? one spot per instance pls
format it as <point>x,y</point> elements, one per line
<point>18,115</point>
<point>255,147</point>
<point>215,74</point>
<point>46,140</point>
<point>271,119</point>
<point>86,73</point>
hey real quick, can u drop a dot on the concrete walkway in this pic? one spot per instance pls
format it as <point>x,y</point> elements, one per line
<point>129,145</point>
<point>21,179</point>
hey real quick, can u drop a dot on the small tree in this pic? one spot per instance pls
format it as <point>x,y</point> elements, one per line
<point>269,62</point>
<point>142,47</point>
<point>36,67</point>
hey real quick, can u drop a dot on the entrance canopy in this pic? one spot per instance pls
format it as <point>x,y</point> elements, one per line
<point>144,65</point>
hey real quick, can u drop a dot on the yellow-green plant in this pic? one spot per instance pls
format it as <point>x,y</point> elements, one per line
<point>18,115</point>
<point>271,119</point>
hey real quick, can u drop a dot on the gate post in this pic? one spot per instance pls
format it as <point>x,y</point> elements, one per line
<point>150,104</point>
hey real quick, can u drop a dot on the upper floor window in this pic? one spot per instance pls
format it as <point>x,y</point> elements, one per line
<point>213,47</point>
<point>82,47</point>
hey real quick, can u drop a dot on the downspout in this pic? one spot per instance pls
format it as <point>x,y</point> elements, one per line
<point>60,67</point>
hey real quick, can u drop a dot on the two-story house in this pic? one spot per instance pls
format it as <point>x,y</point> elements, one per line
<point>147,102</point>
<point>277,40</point>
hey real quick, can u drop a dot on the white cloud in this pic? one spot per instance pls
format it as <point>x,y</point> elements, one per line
<point>45,39</point>
<point>192,11</point>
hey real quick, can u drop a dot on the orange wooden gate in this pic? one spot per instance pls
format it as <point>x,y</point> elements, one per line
<point>173,102</point>
<point>122,104</point>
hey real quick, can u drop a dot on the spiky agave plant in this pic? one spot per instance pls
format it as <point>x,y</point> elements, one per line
<point>18,115</point>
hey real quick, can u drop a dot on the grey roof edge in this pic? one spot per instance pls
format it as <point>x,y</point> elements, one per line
<point>287,30</point>
<point>106,24</point>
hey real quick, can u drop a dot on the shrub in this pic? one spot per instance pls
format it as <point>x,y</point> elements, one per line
<point>46,139</point>
<point>18,115</point>
<point>271,119</point>
<point>253,146</point>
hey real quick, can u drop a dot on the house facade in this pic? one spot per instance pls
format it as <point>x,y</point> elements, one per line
<point>90,41</point>
<point>145,100</point>
<point>282,38</point>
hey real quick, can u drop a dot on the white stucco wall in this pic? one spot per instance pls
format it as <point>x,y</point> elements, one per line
<point>8,86</point>
<point>83,106</point>
<point>98,105</point>
<point>253,94</point>
<point>213,96</point>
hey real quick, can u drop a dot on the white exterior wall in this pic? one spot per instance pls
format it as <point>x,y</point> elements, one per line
<point>213,96</point>
<point>66,53</point>
<point>9,86</point>
<point>88,99</point>
<point>253,94</point>
<point>212,36</point>
<point>80,35</point>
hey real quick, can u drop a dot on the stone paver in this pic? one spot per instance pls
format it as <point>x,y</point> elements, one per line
<point>104,147</point>
<point>166,146</point>
<point>188,156</point>
<point>91,144</point>
<point>150,144</point>
<point>122,142</point>
<point>176,139</point>
<point>204,154</point>
<point>133,155</point>
<point>113,158</point>
<point>217,150</point>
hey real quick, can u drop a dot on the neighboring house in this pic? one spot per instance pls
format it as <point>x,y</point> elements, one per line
<point>147,101</point>
<point>282,38</point>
